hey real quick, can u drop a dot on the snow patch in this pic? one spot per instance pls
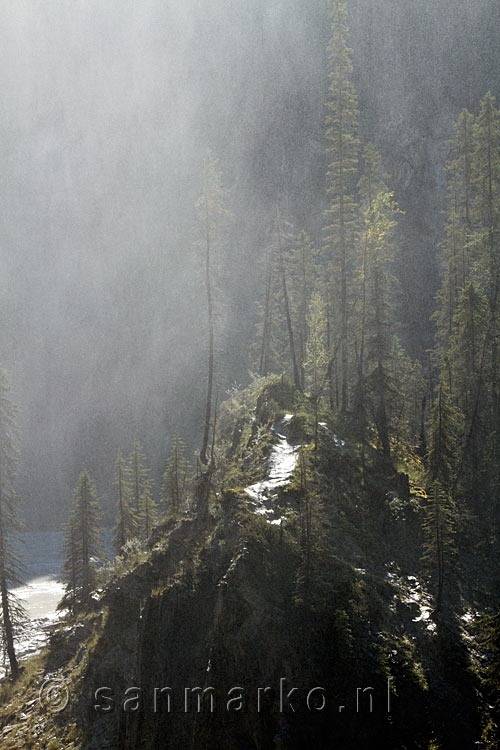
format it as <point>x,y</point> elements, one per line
<point>282,463</point>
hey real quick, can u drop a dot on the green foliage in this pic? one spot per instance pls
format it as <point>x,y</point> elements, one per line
<point>175,477</point>
<point>343,153</point>
<point>278,390</point>
<point>342,129</point>
<point>316,359</point>
<point>299,427</point>
<point>490,678</point>
<point>210,208</point>
<point>439,534</point>
<point>133,553</point>
<point>82,544</point>
<point>141,501</point>
<point>467,319</point>
<point>267,355</point>
<point>12,612</point>
<point>127,524</point>
<point>302,267</point>
<point>442,456</point>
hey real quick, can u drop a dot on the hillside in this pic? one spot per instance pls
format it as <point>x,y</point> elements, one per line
<point>281,571</point>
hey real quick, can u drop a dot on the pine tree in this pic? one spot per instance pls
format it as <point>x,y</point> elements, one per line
<point>302,270</point>
<point>266,322</point>
<point>486,179</point>
<point>465,367</point>
<point>175,476</point>
<point>379,222</point>
<point>342,146</point>
<point>286,301</point>
<point>316,354</point>
<point>490,624</point>
<point>441,513</point>
<point>467,318</point>
<point>82,543</point>
<point>457,258</point>
<point>371,185</point>
<point>13,614</point>
<point>140,490</point>
<point>210,207</point>
<point>71,567</point>
<point>443,437</point>
<point>268,352</point>
<point>126,526</point>
<point>149,510</point>
<point>439,534</point>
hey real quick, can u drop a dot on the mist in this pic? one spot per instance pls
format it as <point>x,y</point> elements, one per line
<point>107,110</point>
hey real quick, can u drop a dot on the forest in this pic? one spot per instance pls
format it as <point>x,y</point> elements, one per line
<point>303,529</point>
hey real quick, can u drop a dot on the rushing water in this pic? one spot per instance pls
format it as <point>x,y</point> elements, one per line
<point>41,556</point>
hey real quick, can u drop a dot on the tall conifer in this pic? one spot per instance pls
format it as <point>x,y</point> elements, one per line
<point>210,207</point>
<point>83,542</point>
<point>12,612</point>
<point>342,146</point>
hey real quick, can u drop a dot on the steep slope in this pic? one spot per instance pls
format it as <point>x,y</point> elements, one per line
<point>260,590</point>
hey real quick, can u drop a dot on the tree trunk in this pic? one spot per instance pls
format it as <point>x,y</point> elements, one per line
<point>210,322</point>
<point>7,622</point>
<point>85,545</point>
<point>296,374</point>
<point>122,539</point>
<point>266,324</point>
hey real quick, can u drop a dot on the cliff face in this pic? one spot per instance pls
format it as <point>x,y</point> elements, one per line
<point>235,603</point>
<point>288,601</point>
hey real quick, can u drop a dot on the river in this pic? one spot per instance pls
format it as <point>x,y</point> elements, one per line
<point>41,556</point>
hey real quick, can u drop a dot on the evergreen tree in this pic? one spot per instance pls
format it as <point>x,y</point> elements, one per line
<point>82,543</point>
<point>457,258</point>
<point>126,526</point>
<point>301,262</point>
<point>149,510</point>
<point>175,476</point>
<point>210,207</point>
<point>439,534</point>
<point>139,480</point>
<point>486,177</point>
<point>286,301</point>
<point>465,368</point>
<point>440,514</point>
<point>316,354</point>
<point>467,318</point>
<point>342,146</point>
<point>371,186</point>
<point>12,612</point>
<point>268,352</point>
<point>491,677</point>
<point>313,574</point>
<point>442,455</point>
<point>266,322</point>
<point>379,222</point>
<point>71,567</point>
